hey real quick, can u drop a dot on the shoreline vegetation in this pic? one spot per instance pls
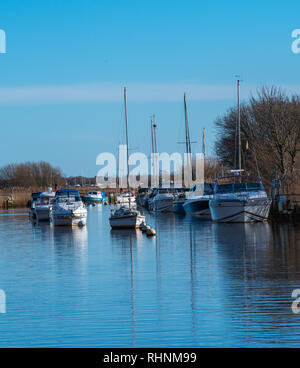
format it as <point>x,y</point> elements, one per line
<point>270,138</point>
<point>270,145</point>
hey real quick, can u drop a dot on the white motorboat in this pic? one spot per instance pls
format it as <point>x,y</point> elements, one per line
<point>239,198</point>
<point>68,208</point>
<point>126,218</point>
<point>161,200</point>
<point>43,206</point>
<point>197,202</point>
<point>124,198</point>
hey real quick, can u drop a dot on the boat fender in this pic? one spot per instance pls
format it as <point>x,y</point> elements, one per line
<point>151,232</point>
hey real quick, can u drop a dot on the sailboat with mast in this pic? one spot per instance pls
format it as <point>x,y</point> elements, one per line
<point>239,197</point>
<point>126,217</point>
<point>180,198</point>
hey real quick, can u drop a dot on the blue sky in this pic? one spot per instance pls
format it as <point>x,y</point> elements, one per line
<point>61,79</point>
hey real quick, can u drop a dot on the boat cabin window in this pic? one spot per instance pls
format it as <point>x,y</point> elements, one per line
<point>44,200</point>
<point>255,186</point>
<point>224,188</point>
<point>239,187</point>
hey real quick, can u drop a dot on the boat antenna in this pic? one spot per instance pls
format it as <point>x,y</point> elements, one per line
<point>126,123</point>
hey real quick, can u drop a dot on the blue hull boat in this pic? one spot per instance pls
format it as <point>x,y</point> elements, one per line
<point>95,197</point>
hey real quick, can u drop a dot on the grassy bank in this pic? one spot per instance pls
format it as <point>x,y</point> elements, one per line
<point>15,198</point>
<point>21,197</point>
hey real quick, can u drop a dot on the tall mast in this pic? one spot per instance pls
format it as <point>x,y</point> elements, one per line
<point>118,165</point>
<point>239,125</point>
<point>152,142</point>
<point>187,138</point>
<point>152,148</point>
<point>126,123</point>
<point>203,143</point>
<point>187,134</point>
<point>154,132</point>
<point>156,169</point>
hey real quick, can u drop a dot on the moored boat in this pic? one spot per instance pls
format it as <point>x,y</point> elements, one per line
<point>125,198</point>
<point>179,200</point>
<point>142,196</point>
<point>197,203</point>
<point>43,206</point>
<point>126,218</point>
<point>34,198</point>
<point>161,200</point>
<point>239,198</point>
<point>95,197</point>
<point>68,208</point>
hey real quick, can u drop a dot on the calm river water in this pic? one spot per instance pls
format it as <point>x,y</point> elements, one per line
<point>197,284</point>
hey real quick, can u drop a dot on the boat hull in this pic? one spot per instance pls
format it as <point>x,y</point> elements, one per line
<point>42,214</point>
<point>93,200</point>
<point>251,210</point>
<point>178,208</point>
<point>68,220</point>
<point>162,205</point>
<point>126,222</point>
<point>198,208</point>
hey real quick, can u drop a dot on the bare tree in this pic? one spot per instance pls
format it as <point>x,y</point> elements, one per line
<point>270,132</point>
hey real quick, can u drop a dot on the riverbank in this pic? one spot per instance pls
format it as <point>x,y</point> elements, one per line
<point>15,198</point>
<point>21,197</point>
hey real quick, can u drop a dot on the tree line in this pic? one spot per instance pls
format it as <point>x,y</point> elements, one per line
<point>30,174</point>
<point>270,132</point>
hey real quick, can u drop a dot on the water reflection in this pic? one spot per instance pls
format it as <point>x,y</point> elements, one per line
<point>128,239</point>
<point>74,236</point>
<point>261,264</point>
<point>195,284</point>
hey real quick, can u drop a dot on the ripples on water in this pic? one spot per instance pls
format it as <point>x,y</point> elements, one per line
<point>197,284</point>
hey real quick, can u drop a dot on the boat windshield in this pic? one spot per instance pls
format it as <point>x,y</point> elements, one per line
<point>207,188</point>
<point>45,201</point>
<point>67,196</point>
<point>71,198</point>
<point>239,187</point>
